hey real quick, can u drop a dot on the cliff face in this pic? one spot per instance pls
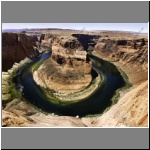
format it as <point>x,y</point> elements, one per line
<point>15,48</point>
<point>19,113</point>
<point>130,111</point>
<point>87,41</point>
<point>132,108</point>
<point>128,51</point>
<point>68,70</point>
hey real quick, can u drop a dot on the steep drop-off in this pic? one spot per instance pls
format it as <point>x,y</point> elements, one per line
<point>131,110</point>
<point>128,51</point>
<point>15,47</point>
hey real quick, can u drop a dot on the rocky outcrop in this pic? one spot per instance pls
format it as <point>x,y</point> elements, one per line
<point>131,110</point>
<point>127,51</point>
<point>8,87</point>
<point>88,41</point>
<point>16,47</point>
<point>19,113</point>
<point>132,107</point>
<point>70,69</point>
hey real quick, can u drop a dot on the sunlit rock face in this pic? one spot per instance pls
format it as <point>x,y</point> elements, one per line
<point>68,70</point>
<point>131,110</point>
<point>125,50</point>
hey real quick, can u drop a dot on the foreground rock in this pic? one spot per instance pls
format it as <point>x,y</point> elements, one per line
<point>19,113</point>
<point>131,110</point>
<point>132,107</point>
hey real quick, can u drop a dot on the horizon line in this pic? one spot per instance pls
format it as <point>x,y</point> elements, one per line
<point>74,29</point>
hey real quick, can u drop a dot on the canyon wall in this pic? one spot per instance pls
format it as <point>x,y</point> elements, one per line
<point>130,55</point>
<point>15,47</point>
<point>128,51</point>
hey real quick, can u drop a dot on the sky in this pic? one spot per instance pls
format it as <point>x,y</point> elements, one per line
<point>135,27</point>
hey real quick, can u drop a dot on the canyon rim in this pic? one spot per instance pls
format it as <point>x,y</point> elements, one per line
<point>71,78</point>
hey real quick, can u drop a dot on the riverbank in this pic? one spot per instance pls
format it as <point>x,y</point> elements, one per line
<point>74,97</point>
<point>131,110</point>
<point>9,91</point>
<point>127,53</point>
<point>95,99</point>
<point>136,74</point>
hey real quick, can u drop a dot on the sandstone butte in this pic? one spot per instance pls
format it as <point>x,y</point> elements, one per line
<point>70,70</point>
<point>124,50</point>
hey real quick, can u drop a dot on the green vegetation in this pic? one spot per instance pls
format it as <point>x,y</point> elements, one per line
<point>49,94</point>
<point>11,87</point>
<point>116,95</point>
<point>125,77</point>
<point>127,85</point>
<point>13,91</point>
<point>37,65</point>
<point>78,95</point>
<point>89,52</point>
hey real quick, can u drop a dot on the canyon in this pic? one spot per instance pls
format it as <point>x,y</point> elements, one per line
<point>69,71</point>
<point>16,47</point>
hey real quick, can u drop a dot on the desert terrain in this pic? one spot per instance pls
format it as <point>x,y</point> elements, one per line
<point>68,72</point>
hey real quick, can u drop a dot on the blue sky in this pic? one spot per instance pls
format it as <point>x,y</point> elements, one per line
<point>79,26</point>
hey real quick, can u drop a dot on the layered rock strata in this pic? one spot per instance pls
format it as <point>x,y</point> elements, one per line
<point>67,70</point>
<point>8,87</point>
<point>131,109</point>
<point>16,47</point>
<point>128,51</point>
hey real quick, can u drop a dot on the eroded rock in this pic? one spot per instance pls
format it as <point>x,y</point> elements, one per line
<point>16,47</point>
<point>128,51</point>
<point>70,69</point>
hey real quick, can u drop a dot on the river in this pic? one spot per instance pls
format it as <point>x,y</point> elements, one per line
<point>94,104</point>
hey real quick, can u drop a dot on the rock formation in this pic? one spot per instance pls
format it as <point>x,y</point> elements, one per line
<point>128,51</point>
<point>20,114</point>
<point>68,70</point>
<point>132,107</point>
<point>130,55</point>
<point>130,111</point>
<point>88,41</point>
<point>15,47</point>
<point>7,81</point>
